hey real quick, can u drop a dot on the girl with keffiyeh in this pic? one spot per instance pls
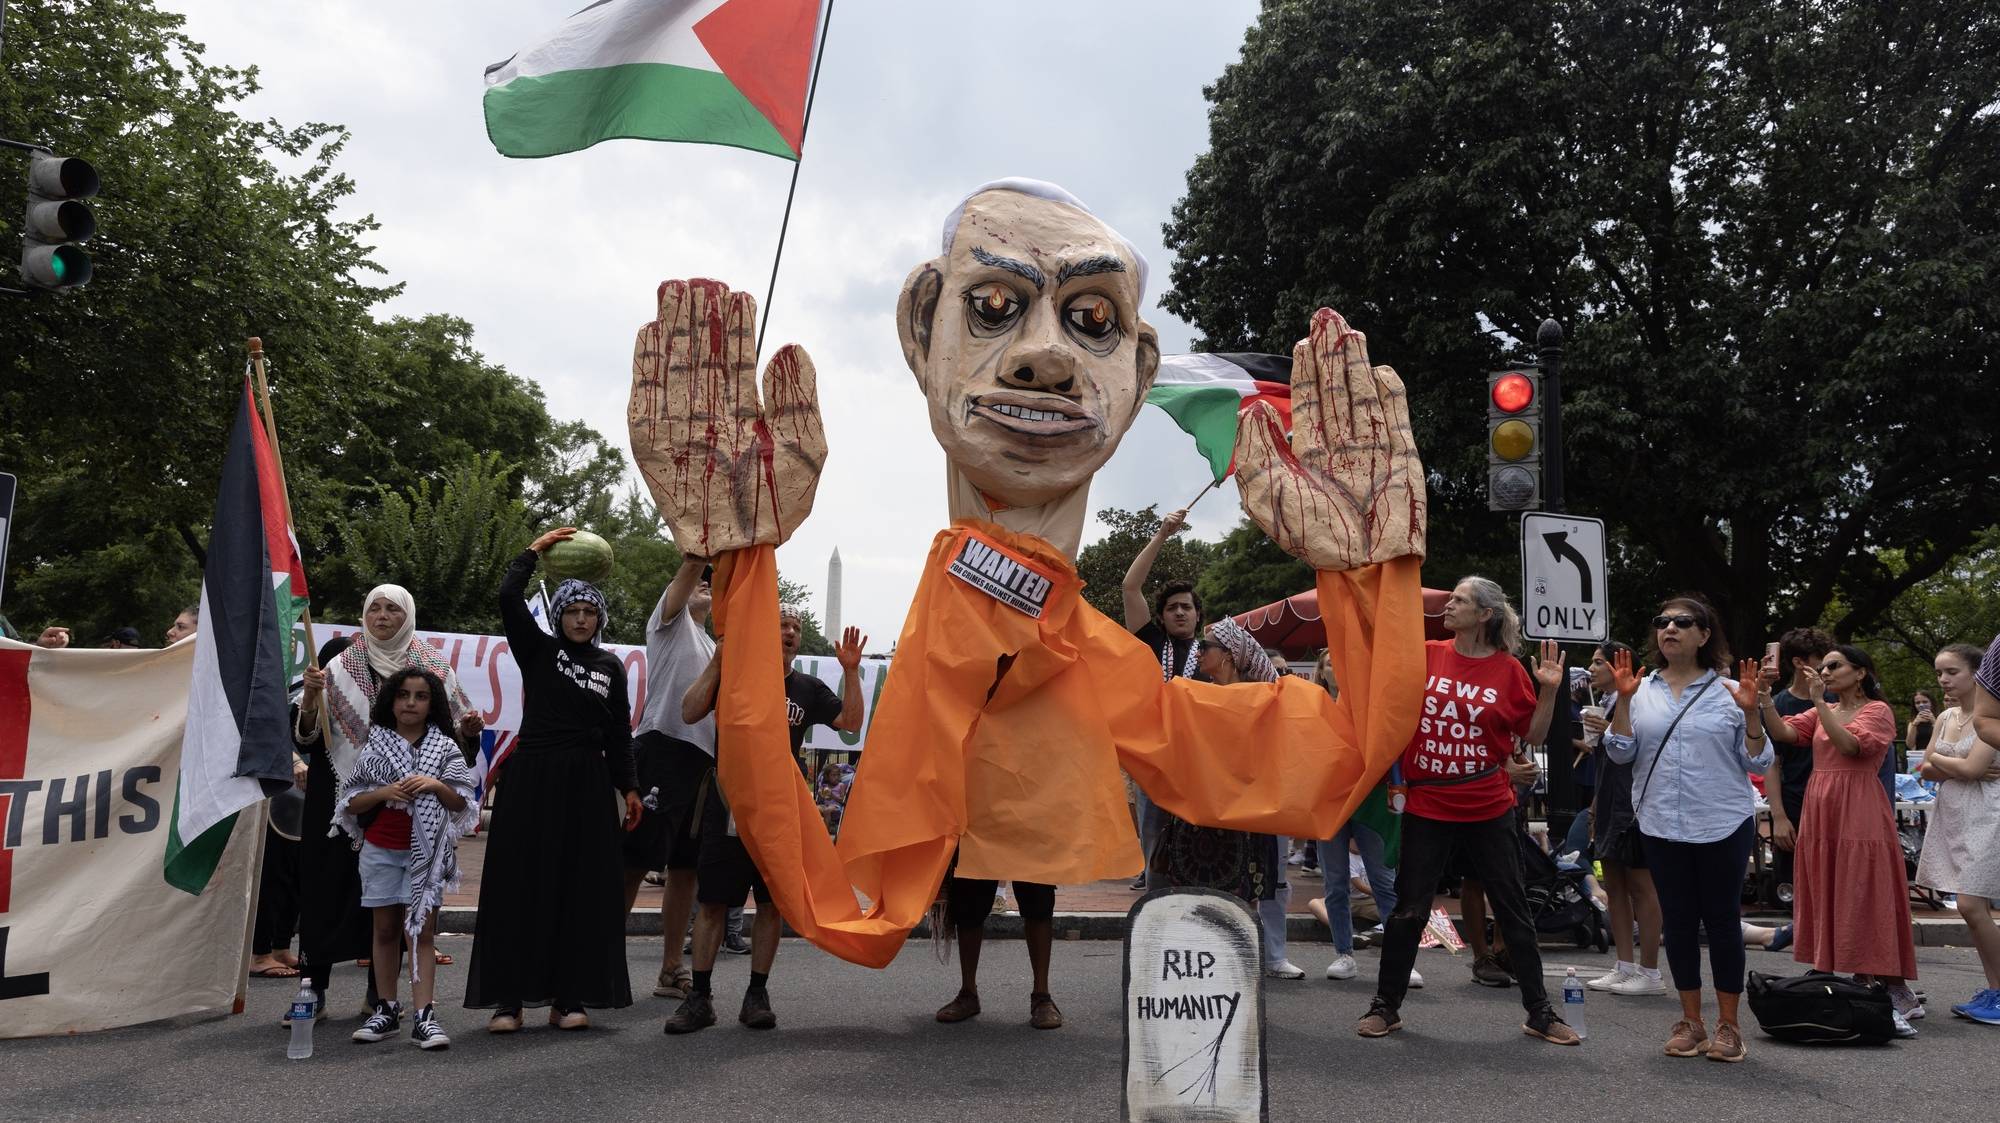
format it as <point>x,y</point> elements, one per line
<point>406,804</point>
<point>331,730</point>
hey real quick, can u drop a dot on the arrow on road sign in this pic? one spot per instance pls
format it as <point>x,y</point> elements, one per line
<point>1561,550</point>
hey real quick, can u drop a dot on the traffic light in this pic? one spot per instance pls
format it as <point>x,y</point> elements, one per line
<point>1514,440</point>
<point>57,220</point>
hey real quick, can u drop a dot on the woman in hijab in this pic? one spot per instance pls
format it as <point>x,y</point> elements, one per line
<point>1247,865</point>
<point>330,730</point>
<point>551,927</point>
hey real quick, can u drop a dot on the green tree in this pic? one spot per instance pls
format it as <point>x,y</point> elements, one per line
<point>644,561</point>
<point>447,544</point>
<point>1247,570</point>
<point>115,398</point>
<point>1103,563</point>
<point>1773,232</point>
<point>1955,606</point>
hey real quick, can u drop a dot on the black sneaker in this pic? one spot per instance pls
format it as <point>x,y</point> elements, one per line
<point>735,944</point>
<point>381,1025</point>
<point>696,1011</point>
<point>1487,972</point>
<point>425,1032</point>
<point>756,1012</point>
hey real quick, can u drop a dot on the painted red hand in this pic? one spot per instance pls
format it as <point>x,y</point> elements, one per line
<point>725,470</point>
<point>1348,489</point>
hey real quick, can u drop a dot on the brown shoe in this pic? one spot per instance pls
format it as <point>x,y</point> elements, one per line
<point>965,1005</point>
<point>568,1019</point>
<point>506,1021</point>
<point>1689,1039</point>
<point>1727,1044</point>
<point>1550,1028</point>
<point>673,983</point>
<point>1042,1012</point>
<point>1379,1021</point>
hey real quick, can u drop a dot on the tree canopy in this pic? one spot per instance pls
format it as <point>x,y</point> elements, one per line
<point>116,398</point>
<point>1772,231</point>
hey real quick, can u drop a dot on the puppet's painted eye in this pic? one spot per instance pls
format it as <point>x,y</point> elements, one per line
<point>993,305</point>
<point>1092,317</point>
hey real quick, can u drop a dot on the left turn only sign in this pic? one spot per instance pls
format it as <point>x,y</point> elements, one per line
<point>1562,578</point>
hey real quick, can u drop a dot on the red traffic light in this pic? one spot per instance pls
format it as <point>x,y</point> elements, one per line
<point>1513,392</point>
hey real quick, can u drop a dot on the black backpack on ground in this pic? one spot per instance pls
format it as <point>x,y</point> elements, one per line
<point>1818,1008</point>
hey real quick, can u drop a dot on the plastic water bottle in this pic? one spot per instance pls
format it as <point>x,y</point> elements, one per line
<point>1572,1012</point>
<point>652,800</point>
<point>305,1010</point>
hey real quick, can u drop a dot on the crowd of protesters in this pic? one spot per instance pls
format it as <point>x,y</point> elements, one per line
<point>1679,751</point>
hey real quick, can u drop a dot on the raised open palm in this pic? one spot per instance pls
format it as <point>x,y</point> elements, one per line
<point>726,470</point>
<point>1348,489</point>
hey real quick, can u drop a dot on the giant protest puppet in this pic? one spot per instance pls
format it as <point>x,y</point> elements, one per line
<point>1012,703</point>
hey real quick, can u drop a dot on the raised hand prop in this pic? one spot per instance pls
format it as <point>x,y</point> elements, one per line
<point>725,469</point>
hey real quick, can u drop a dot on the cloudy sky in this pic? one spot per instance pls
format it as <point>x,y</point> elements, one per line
<point>555,261</point>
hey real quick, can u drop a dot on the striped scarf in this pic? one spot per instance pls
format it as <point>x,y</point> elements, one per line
<point>434,830</point>
<point>350,695</point>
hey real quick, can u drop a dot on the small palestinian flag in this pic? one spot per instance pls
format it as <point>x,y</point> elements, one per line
<point>731,72</point>
<point>1205,393</point>
<point>237,748</point>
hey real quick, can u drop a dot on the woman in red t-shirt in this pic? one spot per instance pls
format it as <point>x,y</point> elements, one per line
<point>1478,705</point>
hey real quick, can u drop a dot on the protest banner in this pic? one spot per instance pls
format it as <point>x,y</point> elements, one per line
<point>91,936</point>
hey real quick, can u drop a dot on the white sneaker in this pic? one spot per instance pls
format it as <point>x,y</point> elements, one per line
<point>1286,970</point>
<point>1342,967</point>
<point>1416,980</point>
<point>1905,1001</point>
<point>1610,979</point>
<point>1638,984</point>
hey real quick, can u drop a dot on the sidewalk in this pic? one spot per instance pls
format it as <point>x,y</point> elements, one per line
<point>1097,911</point>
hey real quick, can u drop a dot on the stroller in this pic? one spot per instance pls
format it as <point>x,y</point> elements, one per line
<point>1559,903</point>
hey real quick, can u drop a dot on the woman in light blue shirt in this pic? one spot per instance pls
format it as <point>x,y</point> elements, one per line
<point>1688,734</point>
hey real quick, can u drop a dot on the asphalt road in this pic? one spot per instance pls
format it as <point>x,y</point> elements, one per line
<point>854,1044</point>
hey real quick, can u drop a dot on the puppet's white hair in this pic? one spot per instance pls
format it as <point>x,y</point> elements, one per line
<point>1040,189</point>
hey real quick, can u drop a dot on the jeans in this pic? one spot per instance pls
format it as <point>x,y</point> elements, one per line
<point>1701,886</point>
<point>1271,915</point>
<point>1488,852</point>
<point>1381,881</point>
<point>1578,839</point>
<point>1149,830</point>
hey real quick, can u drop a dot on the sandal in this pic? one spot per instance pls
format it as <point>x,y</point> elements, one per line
<point>278,972</point>
<point>1042,1011</point>
<point>444,960</point>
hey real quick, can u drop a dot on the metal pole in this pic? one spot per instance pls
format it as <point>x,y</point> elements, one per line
<point>805,123</point>
<point>1549,347</point>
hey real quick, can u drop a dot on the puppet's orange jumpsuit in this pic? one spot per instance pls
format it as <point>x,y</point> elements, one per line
<point>1000,734</point>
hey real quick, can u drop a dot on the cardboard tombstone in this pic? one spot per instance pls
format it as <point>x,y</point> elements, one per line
<point>1194,1010</point>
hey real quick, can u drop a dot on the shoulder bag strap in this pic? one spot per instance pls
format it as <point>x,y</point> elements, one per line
<point>1685,707</point>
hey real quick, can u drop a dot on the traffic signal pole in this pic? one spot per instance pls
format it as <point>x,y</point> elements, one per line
<point>1549,350</point>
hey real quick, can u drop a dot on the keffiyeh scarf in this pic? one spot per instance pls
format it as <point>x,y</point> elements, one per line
<point>570,592</point>
<point>1188,665</point>
<point>434,830</point>
<point>350,694</point>
<point>1252,665</point>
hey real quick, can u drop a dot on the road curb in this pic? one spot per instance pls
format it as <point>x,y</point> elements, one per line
<point>1927,933</point>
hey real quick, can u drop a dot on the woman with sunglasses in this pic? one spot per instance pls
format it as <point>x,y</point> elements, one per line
<point>1692,740</point>
<point>1851,912</point>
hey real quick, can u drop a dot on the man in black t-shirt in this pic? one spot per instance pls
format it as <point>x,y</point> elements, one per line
<point>725,873</point>
<point>1171,628</point>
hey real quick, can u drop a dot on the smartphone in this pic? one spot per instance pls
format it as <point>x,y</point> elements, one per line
<point>1924,707</point>
<point>1771,654</point>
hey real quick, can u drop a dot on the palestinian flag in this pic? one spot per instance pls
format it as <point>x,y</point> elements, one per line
<point>1206,392</point>
<point>237,748</point>
<point>728,72</point>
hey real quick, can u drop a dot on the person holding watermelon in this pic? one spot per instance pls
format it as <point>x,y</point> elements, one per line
<point>551,926</point>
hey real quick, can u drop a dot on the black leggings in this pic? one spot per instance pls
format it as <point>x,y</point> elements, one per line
<point>968,902</point>
<point>1701,887</point>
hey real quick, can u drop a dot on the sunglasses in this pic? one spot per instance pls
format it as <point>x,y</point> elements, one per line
<point>1682,620</point>
<point>1825,667</point>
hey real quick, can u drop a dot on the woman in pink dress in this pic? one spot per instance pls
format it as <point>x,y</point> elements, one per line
<point>1853,900</point>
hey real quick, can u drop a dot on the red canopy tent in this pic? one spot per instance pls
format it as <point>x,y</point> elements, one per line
<point>1293,626</point>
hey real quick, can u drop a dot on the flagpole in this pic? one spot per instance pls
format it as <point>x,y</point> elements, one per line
<point>1212,485</point>
<point>284,489</point>
<point>812,91</point>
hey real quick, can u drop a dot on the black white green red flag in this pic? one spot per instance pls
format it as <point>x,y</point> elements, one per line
<point>1206,393</point>
<point>237,748</point>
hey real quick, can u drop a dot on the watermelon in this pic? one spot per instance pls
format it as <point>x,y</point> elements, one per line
<point>586,557</point>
